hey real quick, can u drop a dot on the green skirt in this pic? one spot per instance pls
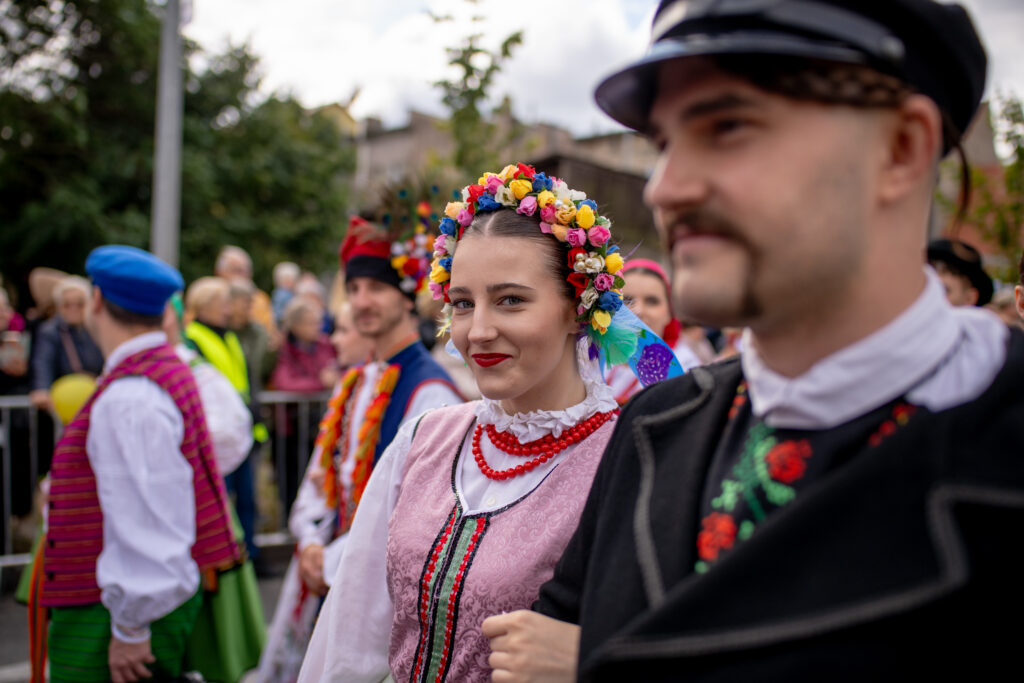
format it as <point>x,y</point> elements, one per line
<point>230,631</point>
<point>79,640</point>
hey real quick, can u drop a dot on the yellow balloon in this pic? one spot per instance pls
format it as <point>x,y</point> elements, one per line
<point>69,394</point>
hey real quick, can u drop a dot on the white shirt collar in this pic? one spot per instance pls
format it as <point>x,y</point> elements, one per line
<point>924,339</point>
<point>142,342</point>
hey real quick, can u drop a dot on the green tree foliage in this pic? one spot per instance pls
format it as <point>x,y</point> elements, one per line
<point>77,107</point>
<point>997,203</point>
<point>478,140</point>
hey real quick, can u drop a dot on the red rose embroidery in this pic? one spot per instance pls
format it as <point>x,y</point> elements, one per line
<point>786,460</point>
<point>719,533</point>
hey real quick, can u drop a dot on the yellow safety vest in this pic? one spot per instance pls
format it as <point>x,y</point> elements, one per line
<point>224,353</point>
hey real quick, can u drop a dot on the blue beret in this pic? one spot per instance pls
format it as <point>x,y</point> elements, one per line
<point>133,279</point>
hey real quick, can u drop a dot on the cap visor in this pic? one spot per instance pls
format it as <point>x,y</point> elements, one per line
<point>627,95</point>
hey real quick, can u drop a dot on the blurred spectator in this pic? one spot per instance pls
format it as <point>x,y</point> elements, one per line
<point>206,305</point>
<point>253,336</point>
<point>1018,291</point>
<point>959,267</point>
<point>1004,304</point>
<point>351,347</point>
<point>306,361</point>
<point>309,288</point>
<point>286,276</point>
<point>62,345</point>
<point>14,382</point>
<point>41,283</point>
<point>234,263</point>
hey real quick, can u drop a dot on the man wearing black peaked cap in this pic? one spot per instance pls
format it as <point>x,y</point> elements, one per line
<point>842,501</point>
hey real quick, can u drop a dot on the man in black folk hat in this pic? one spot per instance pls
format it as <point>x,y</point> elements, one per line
<point>958,265</point>
<point>842,501</point>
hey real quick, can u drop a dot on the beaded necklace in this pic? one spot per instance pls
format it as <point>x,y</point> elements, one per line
<point>543,448</point>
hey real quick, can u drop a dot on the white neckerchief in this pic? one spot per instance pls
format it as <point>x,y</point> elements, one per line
<point>938,355</point>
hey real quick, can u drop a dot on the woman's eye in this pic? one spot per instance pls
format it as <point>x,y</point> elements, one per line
<point>461,304</point>
<point>511,300</point>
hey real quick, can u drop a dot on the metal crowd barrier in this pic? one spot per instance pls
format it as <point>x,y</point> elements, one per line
<point>309,408</point>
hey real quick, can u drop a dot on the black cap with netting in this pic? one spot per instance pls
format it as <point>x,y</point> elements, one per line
<point>932,47</point>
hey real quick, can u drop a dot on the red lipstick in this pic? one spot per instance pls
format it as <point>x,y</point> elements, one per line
<point>486,360</point>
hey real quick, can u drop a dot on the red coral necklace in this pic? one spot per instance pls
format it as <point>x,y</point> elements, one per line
<point>543,448</point>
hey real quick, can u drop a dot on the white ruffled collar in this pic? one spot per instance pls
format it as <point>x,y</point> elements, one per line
<point>539,423</point>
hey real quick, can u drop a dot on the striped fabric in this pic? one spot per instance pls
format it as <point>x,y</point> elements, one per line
<point>75,526</point>
<point>80,638</point>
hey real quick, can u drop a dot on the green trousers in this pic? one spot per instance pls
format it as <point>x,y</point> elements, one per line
<point>79,639</point>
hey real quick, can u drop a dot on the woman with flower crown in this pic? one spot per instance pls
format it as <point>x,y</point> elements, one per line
<point>472,505</point>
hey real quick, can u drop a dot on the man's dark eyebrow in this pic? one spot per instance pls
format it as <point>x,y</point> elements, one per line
<point>704,107</point>
<point>715,105</point>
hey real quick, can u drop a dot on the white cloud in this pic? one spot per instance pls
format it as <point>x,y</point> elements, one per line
<point>322,50</point>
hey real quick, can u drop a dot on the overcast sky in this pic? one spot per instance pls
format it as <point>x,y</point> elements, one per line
<point>323,50</point>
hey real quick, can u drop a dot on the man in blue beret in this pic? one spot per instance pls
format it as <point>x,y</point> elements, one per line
<point>842,501</point>
<point>137,510</point>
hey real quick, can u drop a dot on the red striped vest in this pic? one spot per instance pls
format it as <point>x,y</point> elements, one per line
<point>74,536</point>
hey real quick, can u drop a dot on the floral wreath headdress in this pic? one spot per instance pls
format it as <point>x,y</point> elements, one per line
<point>616,335</point>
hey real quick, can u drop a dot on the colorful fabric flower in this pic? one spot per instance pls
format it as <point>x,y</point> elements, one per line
<point>589,202</point>
<point>520,188</point>
<point>604,281</point>
<point>598,235</point>
<point>577,237</point>
<point>439,274</point>
<point>525,171</point>
<point>547,214</point>
<point>447,225</point>
<point>593,264</point>
<point>505,197</point>
<point>545,198</point>
<point>452,210</point>
<point>565,213</point>
<point>610,300</point>
<point>541,182</point>
<point>440,246</point>
<point>558,231</point>
<point>579,281</point>
<point>493,183</point>
<point>589,297</point>
<point>487,203</point>
<point>601,320</point>
<point>613,262</point>
<point>584,216</point>
<point>528,206</point>
<point>465,217</point>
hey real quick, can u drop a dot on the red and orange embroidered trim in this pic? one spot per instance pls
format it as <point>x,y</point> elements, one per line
<point>335,423</point>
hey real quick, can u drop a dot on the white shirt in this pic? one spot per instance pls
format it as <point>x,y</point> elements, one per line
<point>350,641</point>
<point>311,521</point>
<point>937,355</point>
<point>227,418</point>
<point>145,569</point>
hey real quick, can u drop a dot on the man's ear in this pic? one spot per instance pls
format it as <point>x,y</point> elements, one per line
<point>914,141</point>
<point>96,303</point>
